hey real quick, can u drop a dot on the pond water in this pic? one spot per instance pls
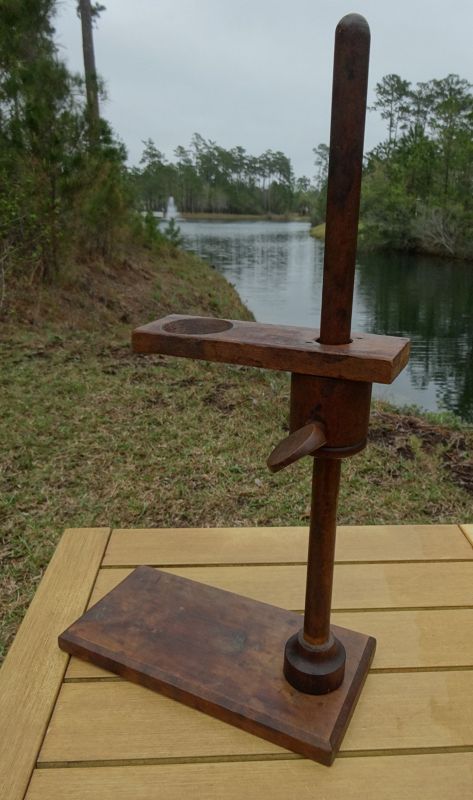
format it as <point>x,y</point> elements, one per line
<point>277,270</point>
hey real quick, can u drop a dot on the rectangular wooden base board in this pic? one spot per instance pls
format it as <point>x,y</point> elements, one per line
<point>221,653</point>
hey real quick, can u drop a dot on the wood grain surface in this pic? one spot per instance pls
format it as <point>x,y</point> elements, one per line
<point>367,357</point>
<point>407,640</point>
<point>34,668</point>
<point>283,545</point>
<point>468,531</point>
<point>410,777</point>
<point>368,586</point>
<point>412,725</point>
<point>112,721</point>
<point>220,653</point>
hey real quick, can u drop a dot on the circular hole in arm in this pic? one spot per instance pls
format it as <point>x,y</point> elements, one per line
<point>197,325</point>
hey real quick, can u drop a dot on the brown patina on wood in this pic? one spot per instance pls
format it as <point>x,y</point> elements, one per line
<point>218,652</point>
<point>281,347</point>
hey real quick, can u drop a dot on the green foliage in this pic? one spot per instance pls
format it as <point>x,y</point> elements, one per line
<point>385,210</point>
<point>173,233</point>
<point>321,153</point>
<point>154,236</point>
<point>417,184</point>
<point>60,196</point>
<point>392,101</point>
<point>417,187</point>
<point>206,177</point>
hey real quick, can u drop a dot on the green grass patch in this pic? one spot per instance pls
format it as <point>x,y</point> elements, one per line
<point>318,231</point>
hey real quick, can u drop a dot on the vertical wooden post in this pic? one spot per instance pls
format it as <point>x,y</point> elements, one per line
<point>347,130</point>
<point>323,525</point>
<point>314,660</point>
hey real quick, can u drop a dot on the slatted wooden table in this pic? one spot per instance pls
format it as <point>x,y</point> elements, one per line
<point>74,732</point>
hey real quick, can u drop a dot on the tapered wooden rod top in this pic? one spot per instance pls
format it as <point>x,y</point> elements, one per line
<point>350,84</point>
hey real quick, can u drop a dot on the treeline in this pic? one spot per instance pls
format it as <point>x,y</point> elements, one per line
<point>66,193</point>
<point>64,190</point>
<point>205,177</point>
<point>418,183</point>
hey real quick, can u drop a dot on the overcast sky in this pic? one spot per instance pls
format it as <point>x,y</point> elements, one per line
<point>255,73</point>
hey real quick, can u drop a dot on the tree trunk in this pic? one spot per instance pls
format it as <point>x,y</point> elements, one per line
<point>91,85</point>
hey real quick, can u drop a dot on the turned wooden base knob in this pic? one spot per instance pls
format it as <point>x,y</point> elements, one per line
<point>314,669</point>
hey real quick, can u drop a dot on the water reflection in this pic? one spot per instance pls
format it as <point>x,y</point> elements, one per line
<point>430,300</point>
<point>277,271</point>
<point>275,267</point>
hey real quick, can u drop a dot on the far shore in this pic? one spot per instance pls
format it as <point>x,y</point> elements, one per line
<point>196,215</point>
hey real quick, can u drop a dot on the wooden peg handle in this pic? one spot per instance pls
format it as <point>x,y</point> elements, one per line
<point>302,442</point>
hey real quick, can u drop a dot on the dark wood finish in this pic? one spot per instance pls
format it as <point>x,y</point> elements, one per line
<point>302,442</point>
<point>282,347</point>
<point>314,659</point>
<point>343,407</point>
<point>318,669</point>
<point>350,82</point>
<point>321,555</point>
<point>220,653</point>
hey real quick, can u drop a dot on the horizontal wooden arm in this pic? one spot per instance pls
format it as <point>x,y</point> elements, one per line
<point>368,357</point>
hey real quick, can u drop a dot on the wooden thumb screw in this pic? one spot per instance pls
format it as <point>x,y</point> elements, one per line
<point>334,413</point>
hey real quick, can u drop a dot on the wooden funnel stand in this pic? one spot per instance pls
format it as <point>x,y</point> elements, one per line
<point>243,661</point>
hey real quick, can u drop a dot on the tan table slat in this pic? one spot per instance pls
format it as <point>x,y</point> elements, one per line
<point>173,546</point>
<point>356,586</point>
<point>110,721</point>
<point>406,639</point>
<point>416,777</point>
<point>468,531</point>
<point>34,667</point>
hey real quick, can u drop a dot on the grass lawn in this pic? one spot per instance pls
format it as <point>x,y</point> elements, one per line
<point>93,435</point>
